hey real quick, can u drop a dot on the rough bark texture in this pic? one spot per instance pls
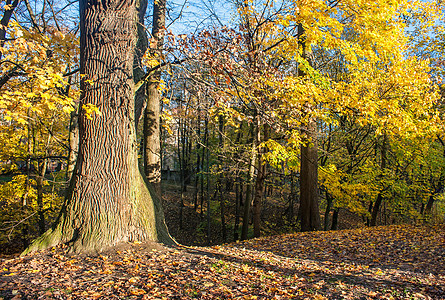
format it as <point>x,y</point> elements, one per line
<point>108,201</point>
<point>309,195</point>
<point>152,143</point>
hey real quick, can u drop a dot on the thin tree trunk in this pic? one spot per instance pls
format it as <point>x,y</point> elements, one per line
<point>5,21</point>
<point>375,210</point>
<point>334,225</point>
<point>184,156</point>
<point>429,205</point>
<point>138,68</point>
<point>152,141</point>
<point>39,185</point>
<point>327,211</point>
<point>73,140</point>
<point>220,180</point>
<point>181,169</point>
<point>188,177</point>
<point>238,191</point>
<point>202,179</point>
<point>206,138</point>
<point>238,195</point>
<point>259,183</point>
<point>25,206</point>
<point>198,161</point>
<point>290,208</point>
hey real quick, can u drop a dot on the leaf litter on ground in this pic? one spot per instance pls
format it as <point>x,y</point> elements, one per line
<point>392,262</point>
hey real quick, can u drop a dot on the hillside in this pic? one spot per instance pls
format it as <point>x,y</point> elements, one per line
<point>395,262</point>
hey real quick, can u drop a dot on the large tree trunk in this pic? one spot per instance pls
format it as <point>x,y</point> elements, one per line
<point>152,143</point>
<point>309,211</point>
<point>259,183</point>
<point>108,201</point>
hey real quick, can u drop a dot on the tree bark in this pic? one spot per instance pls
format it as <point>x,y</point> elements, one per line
<point>138,70</point>
<point>238,190</point>
<point>152,143</point>
<point>198,163</point>
<point>309,211</point>
<point>207,170</point>
<point>327,211</point>
<point>309,194</point>
<point>39,185</point>
<point>108,201</point>
<point>181,169</point>
<point>378,201</point>
<point>248,198</point>
<point>5,21</point>
<point>334,225</point>
<point>73,140</point>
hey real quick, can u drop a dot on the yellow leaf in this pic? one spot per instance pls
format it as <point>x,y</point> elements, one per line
<point>137,292</point>
<point>133,279</point>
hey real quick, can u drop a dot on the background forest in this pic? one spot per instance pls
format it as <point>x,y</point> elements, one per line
<point>272,116</point>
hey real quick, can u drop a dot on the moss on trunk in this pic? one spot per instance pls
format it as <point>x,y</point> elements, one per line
<point>108,201</point>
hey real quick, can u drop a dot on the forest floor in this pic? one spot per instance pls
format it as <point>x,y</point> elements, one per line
<point>388,262</point>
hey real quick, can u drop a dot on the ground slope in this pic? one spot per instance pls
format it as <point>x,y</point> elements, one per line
<point>395,262</point>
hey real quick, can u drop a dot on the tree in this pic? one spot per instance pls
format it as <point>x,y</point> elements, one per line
<point>108,201</point>
<point>152,129</point>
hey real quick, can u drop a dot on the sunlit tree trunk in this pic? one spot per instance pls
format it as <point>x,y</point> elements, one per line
<point>152,143</point>
<point>309,194</point>
<point>327,211</point>
<point>108,201</point>
<point>259,183</point>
